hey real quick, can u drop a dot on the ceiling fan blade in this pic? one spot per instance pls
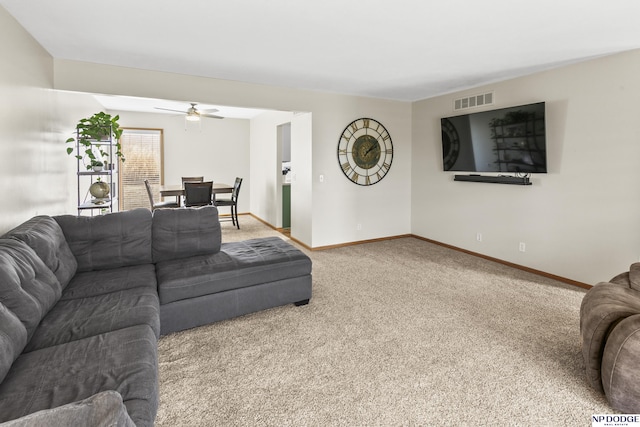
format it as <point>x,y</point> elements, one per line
<point>209,111</point>
<point>169,109</point>
<point>211,116</point>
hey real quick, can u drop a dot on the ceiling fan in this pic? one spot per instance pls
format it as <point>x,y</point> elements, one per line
<point>192,113</point>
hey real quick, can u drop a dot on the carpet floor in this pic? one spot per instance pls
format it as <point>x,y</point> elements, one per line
<point>398,333</point>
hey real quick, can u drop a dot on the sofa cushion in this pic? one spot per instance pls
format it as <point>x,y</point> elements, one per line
<point>45,237</point>
<point>13,338</point>
<point>28,288</point>
<point>99,282</point>
<point>103,409</point>
<point>109,241</point>
<point>124,360</point>
<point>74,319</point>
<point>183,233</point>
<point>238,264</point>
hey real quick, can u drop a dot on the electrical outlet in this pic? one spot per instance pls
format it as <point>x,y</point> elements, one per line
<point>359,227</point>
<point>479,237</point>
<point>321,178</point>
<point>522,247</point>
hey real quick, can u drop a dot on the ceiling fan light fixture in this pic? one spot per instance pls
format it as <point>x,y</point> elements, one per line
<point>192,117</point>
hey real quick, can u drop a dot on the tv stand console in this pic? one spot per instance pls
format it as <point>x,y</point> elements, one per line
<point>514,180</point>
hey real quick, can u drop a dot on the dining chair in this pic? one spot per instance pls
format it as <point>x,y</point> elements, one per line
<point>155,205</point>
<point>189,179</point>
<point>232,202</point>
<point>198,193</point>
<point>192,179</point>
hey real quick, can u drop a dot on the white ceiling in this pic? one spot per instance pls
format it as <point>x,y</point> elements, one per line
<point>402,49</point>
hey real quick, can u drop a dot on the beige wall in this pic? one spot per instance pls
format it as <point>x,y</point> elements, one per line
<point>36,175</point>
<point>338,204</point>
<point>582,219</point>
<point>302,178</point>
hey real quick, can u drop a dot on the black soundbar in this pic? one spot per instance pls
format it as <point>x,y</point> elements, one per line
<point>514,180</point>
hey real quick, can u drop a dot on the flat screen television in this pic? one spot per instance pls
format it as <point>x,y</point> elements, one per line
<point>504,140</point>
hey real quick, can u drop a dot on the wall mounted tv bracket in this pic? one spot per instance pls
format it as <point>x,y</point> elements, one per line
<point>514,180</point>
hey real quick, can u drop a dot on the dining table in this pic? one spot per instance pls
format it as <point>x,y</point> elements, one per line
<point>177,190</point>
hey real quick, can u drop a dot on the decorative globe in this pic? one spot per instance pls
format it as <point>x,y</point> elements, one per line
<point>99,190</point>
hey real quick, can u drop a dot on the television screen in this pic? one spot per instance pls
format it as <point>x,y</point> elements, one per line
<point>504,140</point>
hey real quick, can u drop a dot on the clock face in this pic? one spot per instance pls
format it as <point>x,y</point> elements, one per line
<point>365,151</point>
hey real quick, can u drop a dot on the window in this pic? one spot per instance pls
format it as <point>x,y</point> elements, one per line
<point>142,149</point>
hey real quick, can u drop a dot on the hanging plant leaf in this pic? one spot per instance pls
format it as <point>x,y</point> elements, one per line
<point>98,127</point>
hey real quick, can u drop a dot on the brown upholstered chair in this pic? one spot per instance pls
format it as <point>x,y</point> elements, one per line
<point>610,332</point>
<point>232,202</point>
<point>157,205</point>
<point>198,193</point>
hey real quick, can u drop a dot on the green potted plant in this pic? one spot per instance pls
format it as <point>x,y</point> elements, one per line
<point>97,165</point>
<point>98,127</point>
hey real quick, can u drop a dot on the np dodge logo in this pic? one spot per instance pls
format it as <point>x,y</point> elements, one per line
<point>615,420</point>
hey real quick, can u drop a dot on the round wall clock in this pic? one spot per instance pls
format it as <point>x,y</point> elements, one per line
<point>365,151</point>
<point>450,144</point>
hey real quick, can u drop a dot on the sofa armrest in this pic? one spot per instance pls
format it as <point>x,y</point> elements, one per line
<point>103,409</point>
<point>630,279</point>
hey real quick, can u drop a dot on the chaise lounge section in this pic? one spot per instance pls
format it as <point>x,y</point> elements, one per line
<point>201,280</point>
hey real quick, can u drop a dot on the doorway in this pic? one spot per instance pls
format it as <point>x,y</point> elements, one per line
<point>284,142</point>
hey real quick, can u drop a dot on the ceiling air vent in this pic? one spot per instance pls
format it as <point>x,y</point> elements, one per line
<point>473,101</point>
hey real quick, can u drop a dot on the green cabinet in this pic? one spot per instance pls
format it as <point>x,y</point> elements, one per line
<point>286,206</point>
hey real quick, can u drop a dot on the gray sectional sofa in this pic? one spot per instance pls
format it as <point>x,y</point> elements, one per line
<point>83,301</point>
